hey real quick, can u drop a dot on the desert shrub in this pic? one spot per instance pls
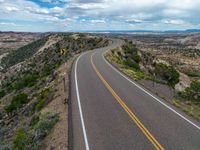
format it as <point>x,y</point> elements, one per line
<point>3,130</point>
<point>167,73</point>
<point>41,128</point>
<point>27,81</point>
<point>46,122</point>
<point>17,102</point>
<point>192,92</point>
<point>48,69</point>
<point>33,136</point>
<point>2,93</point>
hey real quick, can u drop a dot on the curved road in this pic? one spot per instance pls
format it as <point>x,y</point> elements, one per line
<point>111,112</point>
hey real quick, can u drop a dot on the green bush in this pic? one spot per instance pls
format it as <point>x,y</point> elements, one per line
<point>20,140</point>
<point>41,99</point>
<point>17,102</point>
<point>40,104</point>
<point>167,73</point>
<point>35,120</point>
<point>136,58</point>
<point>129,47</point>
<point>132,64</point>
<point>131,55</point>
<point>193,74</point>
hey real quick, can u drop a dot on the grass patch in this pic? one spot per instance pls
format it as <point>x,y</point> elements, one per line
<point>134,74</point>
<point>20,140</point>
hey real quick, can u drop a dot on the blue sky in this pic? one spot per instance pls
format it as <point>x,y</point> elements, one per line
<point>79,15</point>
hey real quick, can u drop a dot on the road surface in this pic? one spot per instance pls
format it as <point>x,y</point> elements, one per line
<point>111,112</point>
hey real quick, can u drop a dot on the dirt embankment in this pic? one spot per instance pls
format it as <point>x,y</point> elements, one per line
<point>58,138</point>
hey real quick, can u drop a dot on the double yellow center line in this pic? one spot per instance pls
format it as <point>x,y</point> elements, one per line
<point>155,143</point>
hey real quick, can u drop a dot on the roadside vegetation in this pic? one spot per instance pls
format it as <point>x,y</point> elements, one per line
<point>139,66</point>
<point>127,58</point>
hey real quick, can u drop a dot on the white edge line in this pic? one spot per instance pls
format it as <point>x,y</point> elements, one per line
<point>79,105</point>
<point>164,104</point>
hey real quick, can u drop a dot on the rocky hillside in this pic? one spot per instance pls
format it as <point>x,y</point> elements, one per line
<point>30,84</point>
<point>181,50</point>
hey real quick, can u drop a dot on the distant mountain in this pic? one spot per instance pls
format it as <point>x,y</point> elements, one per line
<point>142,31</point>
<point>192,30</point>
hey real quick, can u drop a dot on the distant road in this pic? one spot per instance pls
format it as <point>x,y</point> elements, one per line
<point>111,112</point>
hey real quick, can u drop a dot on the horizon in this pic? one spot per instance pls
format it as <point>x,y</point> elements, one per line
<point>93,15</point>
<point>114,31</point>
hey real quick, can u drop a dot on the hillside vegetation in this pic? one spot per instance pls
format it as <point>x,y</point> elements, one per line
<point>22,53</point>
<point>30,82</point>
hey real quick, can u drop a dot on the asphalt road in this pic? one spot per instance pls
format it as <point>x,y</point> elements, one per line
<point>111,112</point>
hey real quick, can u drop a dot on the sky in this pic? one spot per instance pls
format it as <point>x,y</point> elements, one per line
<point>84,15</point>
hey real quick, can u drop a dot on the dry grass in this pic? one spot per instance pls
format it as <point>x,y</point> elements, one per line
<point>188,107</point>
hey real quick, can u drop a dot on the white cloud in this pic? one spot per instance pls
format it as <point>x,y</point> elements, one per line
<point>7,24</point>
<point>105,13</point>
<point>11,8</point>
<point>56,10</point>
<point>98,21</point>
<point>175,22</point>
<point>37,10</point>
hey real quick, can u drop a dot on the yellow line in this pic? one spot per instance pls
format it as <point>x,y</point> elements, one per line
<point>156,144</point>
